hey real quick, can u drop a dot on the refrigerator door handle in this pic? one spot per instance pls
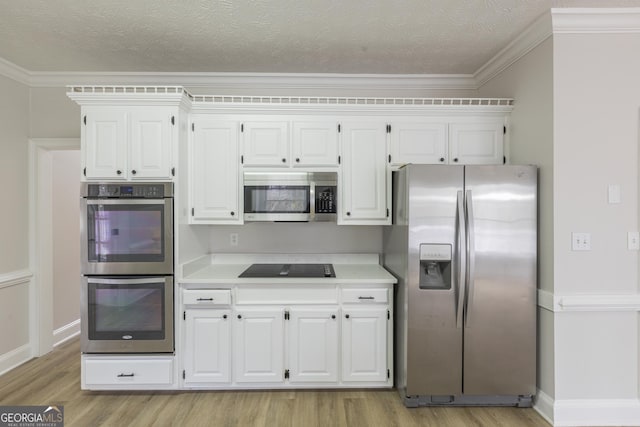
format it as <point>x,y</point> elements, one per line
<point>471,257</point>
<point>462,258</point>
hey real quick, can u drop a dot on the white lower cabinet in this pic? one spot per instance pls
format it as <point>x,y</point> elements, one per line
<point>258,348</point>
<point>253,337</point>
<point>364,344</point>
<point>313,345</point>
<point>127,372</point>
<point>207,357</point>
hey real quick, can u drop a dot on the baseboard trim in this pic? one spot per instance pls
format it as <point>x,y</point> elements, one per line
<point>543,404</point>
<point>14,358</point>
<point>66,332</point>
<point>587,412</point>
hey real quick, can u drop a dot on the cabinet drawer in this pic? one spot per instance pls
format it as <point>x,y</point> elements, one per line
<point>300,294</point>
<point>364,296</point>
<point>206,297</point>
<point>128,371</point>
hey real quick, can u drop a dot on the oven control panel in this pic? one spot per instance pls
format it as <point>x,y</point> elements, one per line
<point>123,191</point>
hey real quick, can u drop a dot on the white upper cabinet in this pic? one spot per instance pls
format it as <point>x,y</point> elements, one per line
<point>478,142</point>
<point>364,179</point>
<point>214,176</point>
<point>265,143</point>
<point>150,144</point>
<point>418,143</point>
<point>104,137</point>
<point>128,143</point>
<point>315,143</point>
<point>460,141</point>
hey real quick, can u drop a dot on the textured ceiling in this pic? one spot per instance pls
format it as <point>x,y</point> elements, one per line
<point>271,36</point>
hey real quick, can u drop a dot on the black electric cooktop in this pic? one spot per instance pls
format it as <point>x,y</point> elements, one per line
<point>289,270</point>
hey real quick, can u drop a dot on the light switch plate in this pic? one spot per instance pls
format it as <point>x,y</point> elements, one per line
<point>633,241</point>
<point>614,193</point>
<point>581,241</point>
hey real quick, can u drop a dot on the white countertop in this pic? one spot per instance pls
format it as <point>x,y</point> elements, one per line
<point>225,269</point>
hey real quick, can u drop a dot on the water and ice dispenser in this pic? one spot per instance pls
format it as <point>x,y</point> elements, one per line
<point>435,266</point>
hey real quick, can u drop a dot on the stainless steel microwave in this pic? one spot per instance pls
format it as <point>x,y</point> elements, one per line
<point>290,196</point>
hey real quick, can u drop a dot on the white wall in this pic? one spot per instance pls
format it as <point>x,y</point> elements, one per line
<point>596,104</point>
<point>14,219</point>
<point>66,237</point>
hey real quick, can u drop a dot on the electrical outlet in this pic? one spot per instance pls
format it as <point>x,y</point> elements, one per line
<point>581,241</point>
<point>233,239</point>
<point>633,241</point>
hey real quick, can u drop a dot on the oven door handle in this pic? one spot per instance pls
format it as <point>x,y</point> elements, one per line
<point>125,201</point>
<point>133,281</point>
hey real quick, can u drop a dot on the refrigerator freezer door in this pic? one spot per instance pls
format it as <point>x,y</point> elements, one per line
<point>433,340</point>
<point>500,317</point>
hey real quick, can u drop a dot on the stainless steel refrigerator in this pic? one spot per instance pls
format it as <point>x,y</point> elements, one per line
<point>463,247</point>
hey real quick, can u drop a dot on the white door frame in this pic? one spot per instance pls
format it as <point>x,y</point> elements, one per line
<point>41,239</point>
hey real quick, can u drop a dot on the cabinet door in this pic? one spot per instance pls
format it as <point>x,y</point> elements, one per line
<point>315,144</point>
<point>478,143</point>
<point>259,345</point>
<point>150,144</point>
<point>313,345</point>
<point>364,174</point>
<point>207,353</point>
<point>418,143</point>
<point>265,143</point>
<point>214,175</point>
<point>105,143</point>
<point>364,344</point>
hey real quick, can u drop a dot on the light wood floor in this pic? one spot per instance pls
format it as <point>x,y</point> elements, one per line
<point>55,380</point>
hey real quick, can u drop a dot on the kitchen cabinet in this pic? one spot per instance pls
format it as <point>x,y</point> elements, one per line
<point>313,345</point>
<point>207,358</point>
<point>366,328</point>
<point>315,143</point>
<point>265,143</point>
<point>258,335</point>
<point>476,143</point>
<point>460,141</point>
<point>132,143</point>
<point>214,173</point>
<point>127,372</point>
<point>364,180</point>
<point>312,143</point>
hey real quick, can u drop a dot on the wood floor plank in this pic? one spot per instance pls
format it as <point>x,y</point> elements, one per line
<point>54,379</point>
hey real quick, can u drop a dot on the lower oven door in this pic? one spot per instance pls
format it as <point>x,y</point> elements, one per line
<point>127,314</point>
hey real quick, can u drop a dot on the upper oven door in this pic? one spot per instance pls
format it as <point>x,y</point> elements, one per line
<point>127,236</point>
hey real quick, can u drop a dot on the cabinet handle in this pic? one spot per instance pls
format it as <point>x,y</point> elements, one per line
<point>232,213</point>
<point>442,159</point>
<point>297,160</point>
<point>224,316</point>
<point>119,172</point>
<point>205,299</point>
<point>366,297</point>
<point>284,160</point>
<point>346,315</point>
<point>239,316</point>
<point>134,172</point>
<point>126,375</point>
<point>333,316</point>
<point>348,213</point>
<point>455,160</point>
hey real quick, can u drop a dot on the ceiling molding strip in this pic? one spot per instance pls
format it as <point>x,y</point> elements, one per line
<point>531,37</point>
<point>233,83</point>
<point>595,20</point>
<point>14,72</point>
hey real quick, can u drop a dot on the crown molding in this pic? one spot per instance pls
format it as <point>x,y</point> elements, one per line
<point>531,37</point>
<point>595,20</point>
<point>14,72</point>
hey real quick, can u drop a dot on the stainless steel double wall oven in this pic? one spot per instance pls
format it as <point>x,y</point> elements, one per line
<point>127,267</point>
